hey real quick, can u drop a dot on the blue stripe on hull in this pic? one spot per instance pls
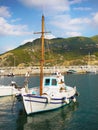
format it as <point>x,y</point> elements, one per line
<point>61,101</point>
<point>44,102</point>
<point>33,96</point>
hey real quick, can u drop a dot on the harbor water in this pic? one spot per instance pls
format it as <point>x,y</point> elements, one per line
<point>82,115</point>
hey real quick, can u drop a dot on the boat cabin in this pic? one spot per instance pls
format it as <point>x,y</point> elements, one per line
<point>53,80</point>
<point>53,85</point>
<point>50,81</point>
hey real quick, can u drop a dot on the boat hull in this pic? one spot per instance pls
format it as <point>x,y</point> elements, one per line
<point>35,104</point>
<point>8,91</point>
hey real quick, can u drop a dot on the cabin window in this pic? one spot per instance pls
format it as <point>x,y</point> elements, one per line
<point>47,82</point>
<point>54,82</point>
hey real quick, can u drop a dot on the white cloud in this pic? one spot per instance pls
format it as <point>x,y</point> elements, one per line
<point>75,1</point>
<point>11,29</point>
<point>82,8</point>
<point>78,21</point>
<point>50,36</point>
<point>95,19</point>
<point>69,26</point>
<point>16,20</point>
<point>4,11</point>
<point>6,48</point>
<point>27,40</point>
<point>72,34</point>
<point>65,22</point>
<point>51,5</point>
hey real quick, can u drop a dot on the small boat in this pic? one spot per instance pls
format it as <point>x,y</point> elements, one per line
<point>8,90</point>
<point>71,72</point>
<point>53,93</point>
<point>10,74</point>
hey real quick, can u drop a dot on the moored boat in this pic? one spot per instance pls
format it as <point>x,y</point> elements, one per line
<point>55,94</point>
<point>71,72</point>
<point>8,90</point>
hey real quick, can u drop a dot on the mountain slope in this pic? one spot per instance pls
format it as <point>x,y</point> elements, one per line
<point>60,51</point>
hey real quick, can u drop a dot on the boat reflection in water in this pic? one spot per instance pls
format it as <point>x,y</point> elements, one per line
<point>54,120</point>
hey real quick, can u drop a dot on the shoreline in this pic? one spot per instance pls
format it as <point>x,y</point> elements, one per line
<point>6,71</point>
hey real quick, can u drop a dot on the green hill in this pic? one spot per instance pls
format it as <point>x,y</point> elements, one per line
<point>59,51</point>
<point>95,38</point>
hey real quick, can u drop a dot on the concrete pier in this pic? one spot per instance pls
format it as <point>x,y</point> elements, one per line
<point>36,70</point>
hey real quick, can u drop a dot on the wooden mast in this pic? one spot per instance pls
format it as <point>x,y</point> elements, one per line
<point>42,57</point>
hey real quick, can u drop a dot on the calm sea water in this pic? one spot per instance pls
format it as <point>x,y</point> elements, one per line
<point>82,115</point>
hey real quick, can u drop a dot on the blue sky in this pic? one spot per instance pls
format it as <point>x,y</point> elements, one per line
<point>19,19</point>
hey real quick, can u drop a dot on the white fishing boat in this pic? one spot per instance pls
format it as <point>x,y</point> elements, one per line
<point>8,90</point>
<point>52,93</point>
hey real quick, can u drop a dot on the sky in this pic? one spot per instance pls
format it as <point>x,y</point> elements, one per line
<point>19,19</point>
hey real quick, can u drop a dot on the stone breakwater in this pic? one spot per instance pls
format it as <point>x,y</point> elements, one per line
<point>36,70</point>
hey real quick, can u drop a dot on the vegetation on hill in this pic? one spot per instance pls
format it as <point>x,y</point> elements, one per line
<point>58,51</point>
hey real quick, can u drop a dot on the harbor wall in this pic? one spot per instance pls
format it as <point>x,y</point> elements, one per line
<point>36,70</point>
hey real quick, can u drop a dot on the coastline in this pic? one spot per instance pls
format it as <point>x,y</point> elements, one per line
<point>5,71</point>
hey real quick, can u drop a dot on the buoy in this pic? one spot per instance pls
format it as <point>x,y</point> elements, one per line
<point>67,101</point>
<point>74,99</point>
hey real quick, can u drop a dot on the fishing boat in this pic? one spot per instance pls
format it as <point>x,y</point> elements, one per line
<point>8,90</point>
<point>52,93</point>
<point>71,72</point>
